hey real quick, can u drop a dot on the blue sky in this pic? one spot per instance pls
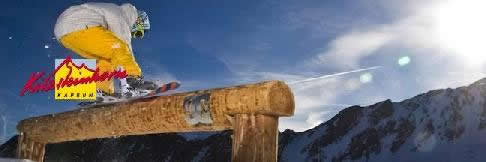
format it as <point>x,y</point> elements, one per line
<point>207,44</point>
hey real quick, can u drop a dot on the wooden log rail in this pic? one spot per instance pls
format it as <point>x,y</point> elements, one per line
<point>251,111</point>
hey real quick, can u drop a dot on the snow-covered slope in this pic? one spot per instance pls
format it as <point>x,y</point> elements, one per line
<point>440,125</point>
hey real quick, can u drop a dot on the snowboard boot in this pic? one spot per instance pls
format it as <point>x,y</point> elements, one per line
<point>134,87</point>
<point>138,83</point>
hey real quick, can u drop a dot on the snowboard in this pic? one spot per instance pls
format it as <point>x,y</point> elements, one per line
<point>118,98</point>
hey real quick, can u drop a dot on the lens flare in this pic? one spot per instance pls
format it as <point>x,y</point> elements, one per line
<point>403,61</point>
<point>366,78</point>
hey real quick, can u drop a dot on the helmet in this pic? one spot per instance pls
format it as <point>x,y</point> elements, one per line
<point>142,25</point>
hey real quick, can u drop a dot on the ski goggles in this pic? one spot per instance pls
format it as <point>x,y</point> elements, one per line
<point>138,32</point>
<point>142,25</point>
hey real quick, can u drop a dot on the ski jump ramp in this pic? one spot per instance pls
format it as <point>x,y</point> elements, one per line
<point>251,111</point>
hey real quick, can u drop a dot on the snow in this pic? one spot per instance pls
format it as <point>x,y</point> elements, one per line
<point>197,135</point>
<point>200,154</point>
<point>293,150</point>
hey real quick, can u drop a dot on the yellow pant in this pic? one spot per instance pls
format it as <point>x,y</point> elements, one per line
<point>109,51</point>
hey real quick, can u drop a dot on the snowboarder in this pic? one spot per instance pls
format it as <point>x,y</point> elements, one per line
<point>103,31</point>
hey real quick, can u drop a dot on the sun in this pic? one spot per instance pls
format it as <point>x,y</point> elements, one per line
<point>461,26</point>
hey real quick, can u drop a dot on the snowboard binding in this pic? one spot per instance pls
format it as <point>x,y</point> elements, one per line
<point>130,88</point>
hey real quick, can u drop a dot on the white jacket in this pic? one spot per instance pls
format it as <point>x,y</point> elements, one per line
<point>117,19</point>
